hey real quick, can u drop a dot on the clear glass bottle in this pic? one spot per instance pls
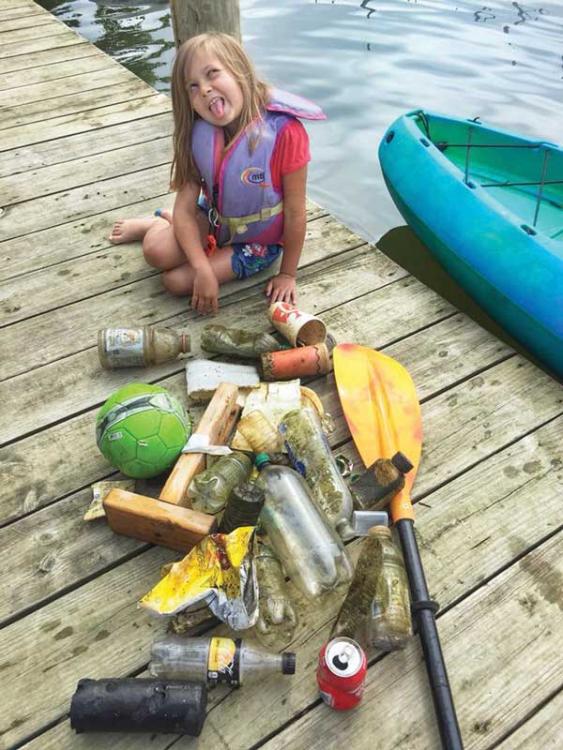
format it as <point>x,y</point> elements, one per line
<point>390,624</point>
<point>237,342</point>
<point>311,456</point>
<point>138,347</point>
<point>214,660</point>
<point>310,551</point>
<point>210,490</point>
<point>277,618</point>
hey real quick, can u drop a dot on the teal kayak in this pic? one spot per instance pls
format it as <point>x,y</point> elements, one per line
<point>489,206</point>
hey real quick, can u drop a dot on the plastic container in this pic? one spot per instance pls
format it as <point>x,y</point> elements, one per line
<point>210,490</point>
<point>309,550</point>
<point>133,705</point>
<point>214,660</point>
<point>390,624</point>
<point>259,433</point>
<point>310,455</point>
<point>138,347</point>
<point>243,507</point>
<point>277,619</point>
<point>238,342</point>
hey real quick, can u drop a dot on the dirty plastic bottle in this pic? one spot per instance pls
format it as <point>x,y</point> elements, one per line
<point>277,619</point>
<point>238,342</point>
<point>214,660</point>
<point>210,490</point>
<point>374,488</point>
<point>390,624</point>
<point>310,455</point>
<point>259,433</point>
<point>310,551</point>
<point>138,347</point>
<point>243,507</point>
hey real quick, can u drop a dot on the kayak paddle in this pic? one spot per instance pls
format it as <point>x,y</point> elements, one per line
<point>382,410</point>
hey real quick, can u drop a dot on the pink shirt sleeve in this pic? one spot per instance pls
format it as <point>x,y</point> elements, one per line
<point>291,152</point>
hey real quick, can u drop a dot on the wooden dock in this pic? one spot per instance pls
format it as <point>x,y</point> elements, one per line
<point>82,142</point>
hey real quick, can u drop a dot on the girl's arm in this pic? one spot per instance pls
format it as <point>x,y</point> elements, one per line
<point>205,291</point>
<point>282,288</point>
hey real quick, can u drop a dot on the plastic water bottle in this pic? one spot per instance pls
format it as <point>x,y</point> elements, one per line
<point>138,347</point>
<point>390,624</point>
<point>310,455</point>
<point>210,490</point>
<point>214,660</point>
<point>310,551</point>
<point>277,619</point>
<point>243,507</point>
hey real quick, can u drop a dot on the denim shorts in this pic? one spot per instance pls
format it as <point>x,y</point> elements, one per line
<point>248,257</point>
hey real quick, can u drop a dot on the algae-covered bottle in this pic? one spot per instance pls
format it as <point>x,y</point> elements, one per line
<point>310,454</point>
<point>237,342</point>
<point>277,618</point>
<point>309,549</point>
<point>243,507</point>
<point>390,624</point>
<point>210,490</point>
<point>138,347</point>
<point>214,660</point>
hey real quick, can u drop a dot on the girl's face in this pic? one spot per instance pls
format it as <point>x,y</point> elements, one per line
<point>213,92</point>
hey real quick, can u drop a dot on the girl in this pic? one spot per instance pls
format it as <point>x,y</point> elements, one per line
<point>239,169</point>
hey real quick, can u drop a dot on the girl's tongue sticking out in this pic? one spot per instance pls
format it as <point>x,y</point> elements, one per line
<point>217,107</point>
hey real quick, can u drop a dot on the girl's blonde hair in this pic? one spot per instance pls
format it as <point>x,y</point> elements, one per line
<point>254,94</point>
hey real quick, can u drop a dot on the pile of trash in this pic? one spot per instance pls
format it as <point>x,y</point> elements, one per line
<point>254,497</point>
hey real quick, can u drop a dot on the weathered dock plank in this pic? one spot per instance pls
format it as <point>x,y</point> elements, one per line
<point>35,477</point>
<point>508,627</point>
<point>39,59</point>
<point>544,730</point>
<point>274,702</point>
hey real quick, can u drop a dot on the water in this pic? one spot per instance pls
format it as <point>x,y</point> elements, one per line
<point>366,62</point>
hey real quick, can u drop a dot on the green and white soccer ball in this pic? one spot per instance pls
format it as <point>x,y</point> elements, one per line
<point>141,430</point>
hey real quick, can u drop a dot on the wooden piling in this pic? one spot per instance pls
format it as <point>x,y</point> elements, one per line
<point>192,17</point>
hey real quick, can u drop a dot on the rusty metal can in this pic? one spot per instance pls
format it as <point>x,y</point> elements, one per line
<point>296,363</point>
<point>341,673</point>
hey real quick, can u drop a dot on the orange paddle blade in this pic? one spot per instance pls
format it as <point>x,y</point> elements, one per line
<point>381,408</point>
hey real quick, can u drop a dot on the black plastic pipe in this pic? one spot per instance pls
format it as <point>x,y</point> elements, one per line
<point>132,705</point>
<point>424,614</point>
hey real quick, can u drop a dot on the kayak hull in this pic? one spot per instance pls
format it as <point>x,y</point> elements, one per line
<point>510,264</point>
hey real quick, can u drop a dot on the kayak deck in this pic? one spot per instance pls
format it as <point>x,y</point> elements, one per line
<point>525,178</point>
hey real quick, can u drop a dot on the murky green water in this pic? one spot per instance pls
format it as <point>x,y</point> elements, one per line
<point>366,62</point>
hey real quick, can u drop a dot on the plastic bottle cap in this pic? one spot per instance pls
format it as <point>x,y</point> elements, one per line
<point>289,660</point>
<point>261,460</point>
<point>402,463</point>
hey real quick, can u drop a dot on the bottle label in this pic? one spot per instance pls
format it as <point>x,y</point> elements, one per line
<point>224,661</point>
<point>124,346</point>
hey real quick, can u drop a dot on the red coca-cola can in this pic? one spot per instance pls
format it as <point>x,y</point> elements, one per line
<point>341,673</point>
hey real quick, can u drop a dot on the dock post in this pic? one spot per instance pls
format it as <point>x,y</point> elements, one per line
<point>192,17</point>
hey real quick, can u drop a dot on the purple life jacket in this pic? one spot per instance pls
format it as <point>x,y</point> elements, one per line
<point>245,207</point>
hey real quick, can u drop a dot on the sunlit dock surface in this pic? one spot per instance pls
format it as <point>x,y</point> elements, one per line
<point>83,142</point>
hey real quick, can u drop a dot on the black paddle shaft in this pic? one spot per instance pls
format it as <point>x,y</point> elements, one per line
<point>424,612</point>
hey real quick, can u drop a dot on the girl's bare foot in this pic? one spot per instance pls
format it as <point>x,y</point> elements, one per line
<point>133,230</point>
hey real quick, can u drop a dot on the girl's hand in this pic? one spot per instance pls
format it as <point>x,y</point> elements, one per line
<point>205,292</point>
<point>282,288</point>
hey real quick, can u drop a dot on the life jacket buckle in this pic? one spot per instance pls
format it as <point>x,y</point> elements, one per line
<point>213,217</point>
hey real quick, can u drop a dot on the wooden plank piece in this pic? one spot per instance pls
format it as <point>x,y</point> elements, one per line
<point>36,64</point>
<point>544,729</point>
<point>29,46</point>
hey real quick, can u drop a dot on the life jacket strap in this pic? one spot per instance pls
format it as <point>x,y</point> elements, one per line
<point>239,224</point>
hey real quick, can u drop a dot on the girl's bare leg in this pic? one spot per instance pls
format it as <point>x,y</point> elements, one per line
<point>133,230</point>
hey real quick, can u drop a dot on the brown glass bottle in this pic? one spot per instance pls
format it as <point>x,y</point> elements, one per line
<point>138,347</point>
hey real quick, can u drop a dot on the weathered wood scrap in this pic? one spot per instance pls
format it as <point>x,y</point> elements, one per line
<point>490,642</point>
